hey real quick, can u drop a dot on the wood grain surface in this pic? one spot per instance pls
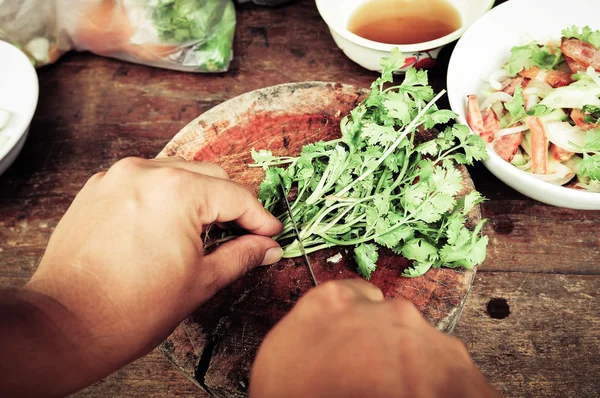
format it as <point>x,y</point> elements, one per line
<point>541,281</point>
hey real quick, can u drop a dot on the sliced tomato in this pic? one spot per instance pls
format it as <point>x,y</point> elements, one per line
<point>530,73</point>
<point>514,84</point>
<point>578,118</point>
<point>539,145</point>
<point>557,78</point>
<point>584,53</point>
<point>575,66</point>
<point>560,154</point>
<point>506,147</point>
<point>490,125</point>
<point>474,117</point>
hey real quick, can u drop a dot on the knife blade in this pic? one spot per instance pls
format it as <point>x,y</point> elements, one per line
<point>289,208</point>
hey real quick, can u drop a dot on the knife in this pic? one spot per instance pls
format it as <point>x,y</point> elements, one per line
<point>289,208</point>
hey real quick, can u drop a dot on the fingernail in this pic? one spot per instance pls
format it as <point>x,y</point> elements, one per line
<point>272,256</point>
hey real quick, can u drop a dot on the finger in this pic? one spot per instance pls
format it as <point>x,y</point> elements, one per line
<point>226,201</point>
<point>209,169</point>
<point>235,258</point>
<point>406,312</point>
<point>364,290</point>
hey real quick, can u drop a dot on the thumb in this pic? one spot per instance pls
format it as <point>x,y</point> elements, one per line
<point>233,259</point>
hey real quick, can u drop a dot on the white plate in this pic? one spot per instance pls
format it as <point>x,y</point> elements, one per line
<point>486,46</point>
<point>19,92</point>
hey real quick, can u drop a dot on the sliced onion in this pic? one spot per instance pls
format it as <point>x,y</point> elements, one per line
<point>595,76</point>
<point>498,109</point>
<point>497,78</point>
<point>594,186</point>
<point>532,100</point>
<point>511,130</point>
<point>562,174</point>
<point>539,87</point>
<point>524,167</point>
<point>498,96</point>
<point>562,133</point>
<point>541,76</point>
<point>574,163</point>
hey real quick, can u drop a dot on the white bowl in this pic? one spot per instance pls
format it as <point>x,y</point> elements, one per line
<point>367,53</point>
<point>486,46</point>
<point>19,92</point>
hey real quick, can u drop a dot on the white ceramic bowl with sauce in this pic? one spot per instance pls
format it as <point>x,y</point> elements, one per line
<point>367,53</point>
<point>486,46</point>
<point>19,91</point>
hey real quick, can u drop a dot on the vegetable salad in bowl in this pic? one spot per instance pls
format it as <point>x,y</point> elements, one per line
<point>541,110</point>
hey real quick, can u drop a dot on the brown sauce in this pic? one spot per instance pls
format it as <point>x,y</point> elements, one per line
<point>404,21</point>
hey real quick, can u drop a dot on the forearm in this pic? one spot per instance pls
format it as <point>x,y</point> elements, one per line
<point>39,358</point>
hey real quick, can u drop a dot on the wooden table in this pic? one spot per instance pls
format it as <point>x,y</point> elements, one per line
<point>532,320</point>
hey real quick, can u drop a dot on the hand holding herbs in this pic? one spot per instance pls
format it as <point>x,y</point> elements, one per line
<point>379,186</point>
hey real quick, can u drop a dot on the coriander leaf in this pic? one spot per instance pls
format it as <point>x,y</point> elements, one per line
<point>590,166</point>
<point>270,188</point>
<point>464,248</point>
<point>395,237</point>
<point>366,257</point>
<point>417,270</point>
<point>516,107</point>
<point>390,64</point>
<point>393,161</point>
<point>591,114</point>
<point>470,200</point>
<point>585,34</point>
<point>382,202</point>
<point>262,156</point>
<point>351,126</point>
<point>419,250</point>
<point>378,135</point>
<point>372,217</point>
<point>438,117</point>
<point>472,144</point>
<point>414,195</point>
<point>428,148</point>
<point>520,58</point>
<point>540,110</point>
<point>458,235</point>
<point>532,54</point>
<point>592,141</point>
<point>415,77</point>
<point>420,95</point>
<point>314,148</point>
<point>446,181</point>
<point>426,169</point>
<point>423,253</point>
<point>397,107</point>
<point>442,202</point>
<point>546,58</point>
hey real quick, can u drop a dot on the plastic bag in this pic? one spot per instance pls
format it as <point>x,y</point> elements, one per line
<point>271,3</point>
<point>188,35</point>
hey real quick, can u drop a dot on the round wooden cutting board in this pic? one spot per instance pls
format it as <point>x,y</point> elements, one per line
<point>215,346</point>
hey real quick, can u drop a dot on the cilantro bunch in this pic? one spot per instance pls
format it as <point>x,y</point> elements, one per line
<point>207,25</point>
<point>379,185</point>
